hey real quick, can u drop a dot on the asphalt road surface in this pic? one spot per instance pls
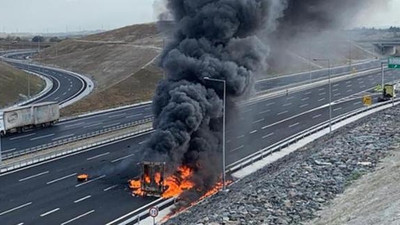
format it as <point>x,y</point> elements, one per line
<point>65,85</point>
<point>49,193</point>
<point>18,142</point>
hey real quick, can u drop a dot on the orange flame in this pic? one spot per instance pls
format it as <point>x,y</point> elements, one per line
<point>174,184</point>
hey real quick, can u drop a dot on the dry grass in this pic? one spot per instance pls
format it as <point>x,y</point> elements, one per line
<point>120,62</point>
<point>14,85</point>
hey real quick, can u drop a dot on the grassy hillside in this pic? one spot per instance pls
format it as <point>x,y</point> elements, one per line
<point>120,62</point>
<point>14,85</point>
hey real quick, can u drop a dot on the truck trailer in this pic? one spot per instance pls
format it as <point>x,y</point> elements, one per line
<point>20,119</point>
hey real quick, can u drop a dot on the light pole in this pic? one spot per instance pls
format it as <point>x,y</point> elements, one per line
<point>383,75</point>
<point>223,130</point>
<point>330,92</point>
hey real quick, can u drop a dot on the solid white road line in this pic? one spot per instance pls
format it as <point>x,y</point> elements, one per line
<point>111,125</point>
<point>98,156</point>
<point>122,158</point>
<point>8,150</point>
<point>20,224</point>
<point>23,136</point>
<point>238,148</point>
<point>49,212</point>
<point>41,137</point>
<point>258,121</point>
<point>33,176</point>
<point>90,181</point>
<point>253,132</point>
<point>82,199</point>
<point>61,178</point>
<point>92,125</point>
<point>293,125</point>
<point>78,217</point>
<point>66,156</point>
<point>16,208</point>
<point>268,135</point>
<point>109,188</point>
<point>63,137</point>
<point>316,116</point>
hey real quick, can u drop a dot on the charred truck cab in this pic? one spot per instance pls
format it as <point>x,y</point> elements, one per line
<point>152,178</point>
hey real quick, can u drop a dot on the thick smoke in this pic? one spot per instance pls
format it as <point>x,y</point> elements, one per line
<point>320,15</point>
<point>215,39</point>
<point>219,39</point>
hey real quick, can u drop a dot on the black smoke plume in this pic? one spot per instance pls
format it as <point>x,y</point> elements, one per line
<point>215,39</point>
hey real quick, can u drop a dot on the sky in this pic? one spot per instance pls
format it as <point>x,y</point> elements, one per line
<point>42,16</point>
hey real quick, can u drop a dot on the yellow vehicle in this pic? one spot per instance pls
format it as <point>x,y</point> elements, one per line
<point>389,92</point>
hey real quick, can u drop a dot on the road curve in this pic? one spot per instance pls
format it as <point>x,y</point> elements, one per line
<point>53,196</point>
<point>66,86</point>
<point>13,144</point>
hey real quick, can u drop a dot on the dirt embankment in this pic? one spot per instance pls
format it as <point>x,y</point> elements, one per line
<point>15,85</point>
<point>122,63</point>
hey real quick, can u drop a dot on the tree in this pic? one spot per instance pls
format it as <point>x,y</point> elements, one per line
<point>38,39</point>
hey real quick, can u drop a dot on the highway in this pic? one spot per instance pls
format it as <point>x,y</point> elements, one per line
<point>48,193</point>
<point>15,143</point>
<point>65,86</point>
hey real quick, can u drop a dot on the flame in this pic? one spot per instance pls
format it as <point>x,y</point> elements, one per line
<point>147,178</point>
<point>174,184</point>
<point>209,193</point>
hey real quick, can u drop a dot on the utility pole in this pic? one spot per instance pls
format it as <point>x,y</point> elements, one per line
<point>223,131</point>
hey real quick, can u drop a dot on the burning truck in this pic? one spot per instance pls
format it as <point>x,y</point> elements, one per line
<point>154,182</point>
<point>151,181</point>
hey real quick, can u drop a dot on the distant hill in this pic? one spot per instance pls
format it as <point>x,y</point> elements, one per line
<point>14,85</point>
<point>121,62</point>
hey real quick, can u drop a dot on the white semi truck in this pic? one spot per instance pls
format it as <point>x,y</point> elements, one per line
<point>20,119</point>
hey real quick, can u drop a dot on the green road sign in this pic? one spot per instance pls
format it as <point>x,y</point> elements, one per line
<point>394,62</point>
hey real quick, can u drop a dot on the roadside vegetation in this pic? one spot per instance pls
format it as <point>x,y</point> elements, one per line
<point>14,85</point>
<point>123,63</point>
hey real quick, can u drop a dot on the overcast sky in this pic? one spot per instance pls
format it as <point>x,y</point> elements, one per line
<point>75,15</point>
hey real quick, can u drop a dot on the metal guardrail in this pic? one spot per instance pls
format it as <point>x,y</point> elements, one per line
<point>73,139</point>
<point>63,152</point>
<point>240,164</point>
<point>259,155</point>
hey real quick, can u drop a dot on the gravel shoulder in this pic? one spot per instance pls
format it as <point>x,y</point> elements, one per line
<point>296,188</point>
<point>374,199</point>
